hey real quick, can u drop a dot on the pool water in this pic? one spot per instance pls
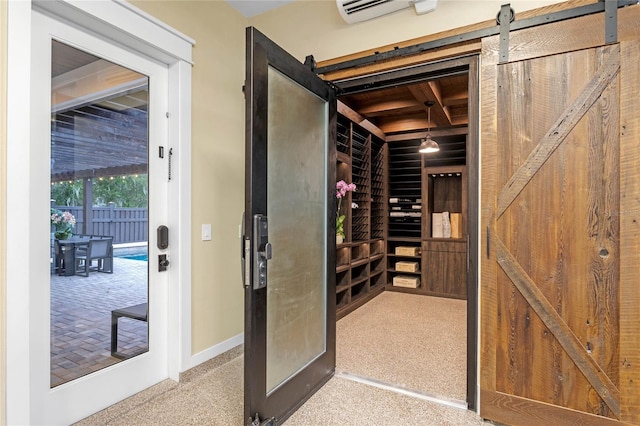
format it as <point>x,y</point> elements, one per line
<point>141,256</point>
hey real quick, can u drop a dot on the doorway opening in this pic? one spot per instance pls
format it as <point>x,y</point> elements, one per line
<point>410,322</point>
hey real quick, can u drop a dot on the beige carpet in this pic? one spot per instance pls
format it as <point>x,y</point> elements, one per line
<point>371,341</point>
<point>209,394</point>
<point>416,342</point>
<point>344,402</point>
<point>215,398</point>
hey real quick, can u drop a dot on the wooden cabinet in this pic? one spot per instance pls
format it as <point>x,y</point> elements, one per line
<point>418,197</point>
<point>390,241</point>
<point>360,274</point>
<point>445,258</point>
<point>360,260</point>
<point>446,266</point>
<point>404,251</point>
<point>405,190</point>
<point>445,190</point>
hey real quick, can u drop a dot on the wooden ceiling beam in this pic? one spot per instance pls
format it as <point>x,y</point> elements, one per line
<point>414,123</point>
<point>386,107</point>
<point>424,92</point>
<point>436,88</point>
<point>403,125</point>
<point>456,131</point>
<point>456,99</point>
<point>460,121</point>
<point>357,118</point>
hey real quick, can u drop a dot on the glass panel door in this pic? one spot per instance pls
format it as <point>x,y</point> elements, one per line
<point>97,111</point>
<point>296,208</point>
<point>99,213</point>
<point>289,243</point>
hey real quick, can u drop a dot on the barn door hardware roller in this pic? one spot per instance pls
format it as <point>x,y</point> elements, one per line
<point>505,17</point>
<point>610,21</point>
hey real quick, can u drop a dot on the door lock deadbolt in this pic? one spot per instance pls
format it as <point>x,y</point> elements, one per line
<point>163,262</point>
<point>262,251</point>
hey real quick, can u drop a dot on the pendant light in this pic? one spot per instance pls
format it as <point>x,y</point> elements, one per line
<point>428,145</point>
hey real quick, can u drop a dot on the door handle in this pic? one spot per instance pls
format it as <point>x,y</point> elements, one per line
<point>488,241</point>
<point>245,255</point>
<point>262,251</point>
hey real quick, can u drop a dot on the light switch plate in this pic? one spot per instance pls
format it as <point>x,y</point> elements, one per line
<point>206,232</point>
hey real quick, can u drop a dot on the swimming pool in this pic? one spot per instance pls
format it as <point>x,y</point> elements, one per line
<point>140,256</point>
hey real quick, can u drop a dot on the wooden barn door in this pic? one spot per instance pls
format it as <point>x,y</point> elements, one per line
<point>560,225</point>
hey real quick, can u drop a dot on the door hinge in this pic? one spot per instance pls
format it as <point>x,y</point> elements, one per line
<point>257,422</point>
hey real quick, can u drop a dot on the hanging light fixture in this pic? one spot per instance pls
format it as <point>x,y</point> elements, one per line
<point>428,145</point>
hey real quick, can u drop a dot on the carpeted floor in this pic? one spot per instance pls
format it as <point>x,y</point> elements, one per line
<point>417,342</point>
<point>212,393</point>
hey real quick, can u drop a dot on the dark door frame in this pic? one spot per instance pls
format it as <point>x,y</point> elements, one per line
<point>430,71</point>
<point>272,407</point>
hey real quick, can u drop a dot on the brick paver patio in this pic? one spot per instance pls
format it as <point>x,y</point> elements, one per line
<point>81,319</point>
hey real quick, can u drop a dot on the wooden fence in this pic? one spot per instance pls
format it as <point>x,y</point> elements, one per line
<point>125,225</point>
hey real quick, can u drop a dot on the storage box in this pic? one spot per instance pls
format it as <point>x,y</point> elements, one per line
<point>406,281</point>
<point>456,225</point>
<point>407,251</point>
<point>436,225</point>
<point>407,266</point>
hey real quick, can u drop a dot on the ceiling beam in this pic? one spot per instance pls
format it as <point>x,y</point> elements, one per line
<point>390,106</point>
<point>424,93</point>
<point>456,131</point>
<point>412,123</point>
<point>456,99</point>
<point>357,118</point>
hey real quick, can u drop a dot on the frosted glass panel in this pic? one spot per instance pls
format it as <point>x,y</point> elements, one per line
<point>296,209</point>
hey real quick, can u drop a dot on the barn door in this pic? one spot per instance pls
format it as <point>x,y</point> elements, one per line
<point>559,216</point>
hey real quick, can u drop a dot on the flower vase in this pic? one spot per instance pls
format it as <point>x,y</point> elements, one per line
<point>339,239</point>
<point>62,235</point>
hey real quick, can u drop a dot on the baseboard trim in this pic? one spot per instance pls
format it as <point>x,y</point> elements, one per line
<point>213,352</point>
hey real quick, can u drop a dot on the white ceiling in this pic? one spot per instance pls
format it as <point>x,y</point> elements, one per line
<point>251,8</point>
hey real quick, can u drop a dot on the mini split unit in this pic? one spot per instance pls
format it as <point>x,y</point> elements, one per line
<point>362,10</point>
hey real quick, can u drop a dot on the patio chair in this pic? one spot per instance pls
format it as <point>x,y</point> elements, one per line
<point>58,258</point>
<point>100,250</point>
<point>137,312</point>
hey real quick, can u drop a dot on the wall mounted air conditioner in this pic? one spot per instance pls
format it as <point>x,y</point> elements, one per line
<point>362,10</point>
